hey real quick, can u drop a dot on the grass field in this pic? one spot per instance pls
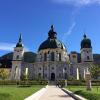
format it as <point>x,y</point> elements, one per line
<point>90,95</point>
<point>17,93</point>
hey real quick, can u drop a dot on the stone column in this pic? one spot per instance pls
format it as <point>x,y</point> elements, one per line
<point>65,83</point>
<point>77,72</point>
<point>88,81</point>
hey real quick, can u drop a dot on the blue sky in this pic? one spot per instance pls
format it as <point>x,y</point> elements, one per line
<point>33,19</point>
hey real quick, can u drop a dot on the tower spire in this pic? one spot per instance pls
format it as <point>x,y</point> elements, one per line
<point>19,44</point>
<point>20,37</point>
<point>52,27</point>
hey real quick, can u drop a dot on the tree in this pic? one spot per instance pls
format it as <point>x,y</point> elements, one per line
<point>95,71</point>
<point>4,73</point>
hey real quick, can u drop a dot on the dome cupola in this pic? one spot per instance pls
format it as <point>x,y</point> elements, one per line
<point>52,42</point>
<point>86,42</point>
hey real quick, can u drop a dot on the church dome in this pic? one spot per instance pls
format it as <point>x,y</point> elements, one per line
<point>52,42</point>
<point>86,42</point>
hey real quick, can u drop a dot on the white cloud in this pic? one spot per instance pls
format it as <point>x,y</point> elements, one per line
<point>69,32</point>
<point>9,46</point>
<point>78,2</point>
<point>71,28</point>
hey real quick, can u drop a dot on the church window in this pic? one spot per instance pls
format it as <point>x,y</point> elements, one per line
<point>52,68</point>
<point>17,57</point>
<point>65,76</point>
<point>60,75</point>
<point>16,71</point>
<point>88,58</point>
<point>52,56</point>
<point>65,68</point>
<point>40,68</point>
<point>45,57</point>
<point>59,56</point>
<point>45,75</point>
<point>39,75</point>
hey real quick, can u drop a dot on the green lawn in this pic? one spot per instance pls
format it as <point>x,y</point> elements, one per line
<point>17,93</point>
<point>90,95</point>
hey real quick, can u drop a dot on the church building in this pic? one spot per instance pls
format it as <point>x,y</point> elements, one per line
<point>52,61</point>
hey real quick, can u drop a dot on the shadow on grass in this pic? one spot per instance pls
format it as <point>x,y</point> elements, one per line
<point>78,92</point>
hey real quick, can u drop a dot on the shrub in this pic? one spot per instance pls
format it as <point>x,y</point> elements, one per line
<point>88,95</point>
<point>10,82</point>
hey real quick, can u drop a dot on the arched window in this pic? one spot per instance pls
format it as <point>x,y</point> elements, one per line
<point>65,76</point>
<point>17,57</point>
<point>59,56</point>
<point>59,75</point>
<point>45,75</point>
<point>39,75</point>
<point>16,71</point>
<point>52,56</point>
<point>88,58</point>
<point>45,57</point>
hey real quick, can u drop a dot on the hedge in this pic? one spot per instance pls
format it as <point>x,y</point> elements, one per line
<point>9,82</point>
<point>88,95</point>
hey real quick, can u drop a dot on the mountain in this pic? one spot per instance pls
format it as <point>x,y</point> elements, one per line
<point>30,57</point>
<point>6,60</point>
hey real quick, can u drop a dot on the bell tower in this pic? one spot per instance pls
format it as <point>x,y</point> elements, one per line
<point>17,60</point>
<point>86,50</point>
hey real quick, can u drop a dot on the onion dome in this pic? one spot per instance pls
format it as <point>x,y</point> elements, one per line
<point>52,42</point>
<point>19,44</point>
<point>86,42</point>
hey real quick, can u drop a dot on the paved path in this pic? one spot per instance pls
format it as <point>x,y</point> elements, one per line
<point>55,93</point>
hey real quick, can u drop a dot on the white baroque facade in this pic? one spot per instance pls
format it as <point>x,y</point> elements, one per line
<point>52,60</point>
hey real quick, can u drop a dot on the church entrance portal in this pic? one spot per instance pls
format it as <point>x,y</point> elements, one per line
<point>52,76</point>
